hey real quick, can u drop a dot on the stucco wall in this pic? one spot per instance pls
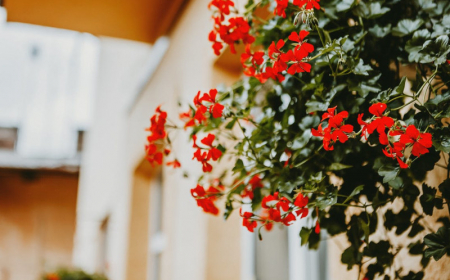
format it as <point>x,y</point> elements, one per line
<point>104,190</point>
<point>37,222</point>
<point>198,246</point>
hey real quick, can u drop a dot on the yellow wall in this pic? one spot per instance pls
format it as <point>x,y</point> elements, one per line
<point>37,222</point>
<point>198,246</point>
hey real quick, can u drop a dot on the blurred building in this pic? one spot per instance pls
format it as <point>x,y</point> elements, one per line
<point>133,221</point>
<point>47,85</point>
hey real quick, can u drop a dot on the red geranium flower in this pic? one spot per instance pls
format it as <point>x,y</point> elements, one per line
<point>317,228</point>
<point>281,7</point>
<point>335,130</point>
<point>215,109</point>
<point>364,127</point>
<point>205,199</point>
<point>272,73</point>
<point>296,56</point>
<point>288,219</point>
<point>257,58</point>
<point>212,153</point>
<point>275,49</point>
<point>396,152</point>
<point>200,114</point>
<point>268,226</point>
<point>255,182</point>
<point>380,123</point>
<point>301,202</point>
<point>309,4</point>
<point>304,47</point>
<point>246,221</point>
<point>175,164</point>
<point>420,141</point>
<point>274,215</point>
<point>249,224</point>
<point>267,199</point>
<point>222,5</point>
<point>283,203</point>
<point>217,46</point>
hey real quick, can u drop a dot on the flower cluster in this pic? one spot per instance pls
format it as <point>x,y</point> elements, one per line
<point>205,198</point>
<point>394,135</point>
<point>282,5</point>
<point>231,32</point>
<point>277,209</point>
<point>293,61</point>
<point>157,140</point>
<point>277,169</point>
<point>203,155</point>
<point>214,108</point>
<point>254,183</point>
<point>336,129</point>
<point>398,137</point>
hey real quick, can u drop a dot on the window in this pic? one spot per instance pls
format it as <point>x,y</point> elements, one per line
<point>103,247</point>
<point>8,138</point>
<point>280,256</point>
<point>271,255</point>
<point>80,140</point>
<point>156,236</point>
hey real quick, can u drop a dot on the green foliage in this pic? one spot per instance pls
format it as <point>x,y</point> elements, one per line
<point>438,243</point>
<point>362,49</point>
<point>72,274</point>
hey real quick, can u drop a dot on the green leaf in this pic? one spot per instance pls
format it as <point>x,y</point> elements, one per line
<point>315,105</point>
<point>441,139</point>
<point>415,45</point>
<point>438,104</point>
<point>435,50</point>
<point>406,27</point>
<point>328,199</point>
<point>228,210</point>
<point>338,166</point>
<point>370,10</point>
<point>438,244</point>
<point>304,235</point>
<point>231,123</point>
<point>365,227</point>
<point>387,95</point>
<point>388,173</point>
<point>380,32</point>
<point>345,5</point>
<point>427,5</point>
<point>355,191</point>
<point>317,178</point>
<point>239,167</point>
<point>361,69</point>
<point>401,87</point>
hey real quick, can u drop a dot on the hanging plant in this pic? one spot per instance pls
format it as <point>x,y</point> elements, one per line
<point>343,110</point>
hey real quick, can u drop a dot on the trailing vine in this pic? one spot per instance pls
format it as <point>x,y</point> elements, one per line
<point>343,111</point>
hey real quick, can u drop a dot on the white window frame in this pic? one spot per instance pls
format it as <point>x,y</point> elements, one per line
<point>304,264</point>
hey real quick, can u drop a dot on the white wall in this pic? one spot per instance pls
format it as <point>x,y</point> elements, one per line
<point>104,188</point>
